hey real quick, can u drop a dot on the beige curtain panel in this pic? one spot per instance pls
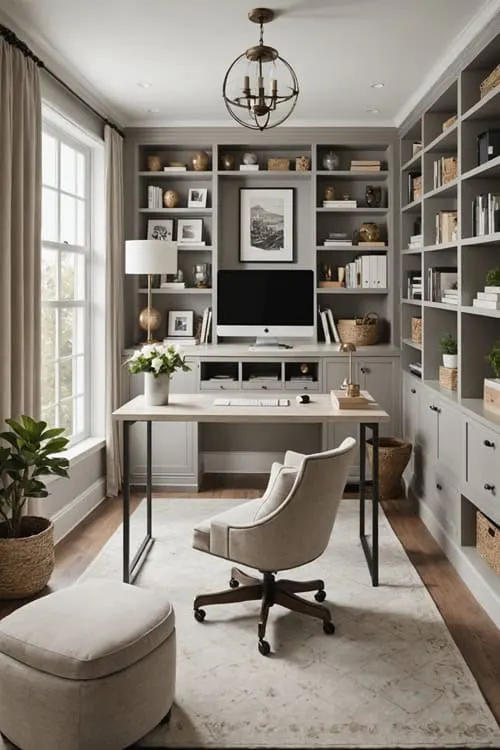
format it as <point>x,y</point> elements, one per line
<point>114,303</point>
<point>20,233</point>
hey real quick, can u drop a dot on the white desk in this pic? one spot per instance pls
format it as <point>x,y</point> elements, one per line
<point>193,407</point>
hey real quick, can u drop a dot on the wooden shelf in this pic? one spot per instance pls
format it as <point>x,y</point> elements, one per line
<point>413,207</point>
<point>444,191</point>
<point>409,342</point>
<point>441,246</point>
<point>488,106</point>
<point>440,306</point>
<point>188,290</point>
<point>189,174</point>
<point>346,174</point>
<point>354,248</point>
<point>358,210</point>
<point>181,211</point>
<point>490,168</point>
<point>343,290</point>
<point>412,163</point>
<point>274,173</point>
<point>445,142</point>
<point>483,312</point>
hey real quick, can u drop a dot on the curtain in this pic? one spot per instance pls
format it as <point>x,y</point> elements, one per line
<point>114,303</point>
<point>20,233</point>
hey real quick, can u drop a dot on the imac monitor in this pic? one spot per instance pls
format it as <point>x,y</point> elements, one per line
<point>266,304</point>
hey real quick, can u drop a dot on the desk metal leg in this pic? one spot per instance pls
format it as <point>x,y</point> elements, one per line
<point>371,554</point>
<point>132,567</point>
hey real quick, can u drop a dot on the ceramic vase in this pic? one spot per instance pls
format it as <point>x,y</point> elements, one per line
<point>156,389</point>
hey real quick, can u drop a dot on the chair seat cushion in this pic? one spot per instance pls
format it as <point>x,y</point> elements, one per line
<point>241,515</point>
<point>88,630</point>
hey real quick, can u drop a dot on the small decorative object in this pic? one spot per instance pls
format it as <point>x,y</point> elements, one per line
<point>189,231</point>
<point>154,163</point>
<point>304,368</point>
<point>227,161</point>
<point>266,225</point>
<point>329,194</point>
<point>327,272</point>
<point>200,275</point>
<point>249,157</point>
<point>448,345</point>
<point>331,161</point>
<point>302,164</point>
<point>493,280</point>
<point>278,165</point>
<point>491,392</point>
<point>416,330</point>
<point>158,362</point>
<point>393,457</point>
<point>349,348</point>
<point>369,232</point>
<point>373,196</point>
<point>149,320</point>
<point>161,229</point>
<point>200,161</point>
<point>448,378</point>
<point>346,197</point>
<point>359,331</point>
<point>29,451</point>
<point>197,197</point>
<point>341,274</point>
<point>170,198</point>
<point>180,323</point>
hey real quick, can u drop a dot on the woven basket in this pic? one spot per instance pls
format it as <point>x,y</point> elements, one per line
<point>359,331</point>
<point>490,82</point>
<point>393,456</point>
<point>488,541</point>
<point>416,330</point>
<point>27,562</point>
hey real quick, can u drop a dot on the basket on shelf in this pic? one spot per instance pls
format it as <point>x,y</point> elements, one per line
<point>393,457</point>
<point>490,82</point>
<point>448,378</point>
<point>488,541</point>
<point>359,331</point>
<point>416,330</point>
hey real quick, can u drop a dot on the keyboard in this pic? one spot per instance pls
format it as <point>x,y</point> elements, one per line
<point>251,402</point>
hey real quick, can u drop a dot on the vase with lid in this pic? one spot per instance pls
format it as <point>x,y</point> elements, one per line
<point>331,161</point>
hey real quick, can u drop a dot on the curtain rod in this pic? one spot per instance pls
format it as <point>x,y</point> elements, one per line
<point>12,38</point>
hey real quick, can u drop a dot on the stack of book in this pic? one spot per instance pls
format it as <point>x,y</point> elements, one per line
<point>366,165</point>
<point>175,168</point>
<point>330,331</point>
<point>249,167</point>
<point>338,239</point>
<point>450,296</point>
<point>414,285</point>
<point>416,241</point>
<point>340,204</point>
<point>206,323</point>
<point>172,285</point>
<point>414,186</point>
<point>442,281</point>
<point>446,227</point>
<point>416,368</point>
<point>489,299</point>
<point>485,214</point>
<point>155,197</point>
<point>181,340</point>
<point>445,170</point>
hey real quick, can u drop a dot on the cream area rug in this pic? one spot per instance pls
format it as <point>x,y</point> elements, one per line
<point>390,677</point>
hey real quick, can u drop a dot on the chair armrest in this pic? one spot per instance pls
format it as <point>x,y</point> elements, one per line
<point>292,458</point>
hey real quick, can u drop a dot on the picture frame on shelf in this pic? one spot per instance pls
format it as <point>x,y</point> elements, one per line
<point>197,197</point>
<point>189,231</point>
<point>160,229</point>
<point>266,225</point>
<point>180,323</point>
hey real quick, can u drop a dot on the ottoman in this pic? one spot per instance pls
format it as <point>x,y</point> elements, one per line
<point>90,667</point>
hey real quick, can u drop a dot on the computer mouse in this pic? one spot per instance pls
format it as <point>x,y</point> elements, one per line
<point>303,399</point>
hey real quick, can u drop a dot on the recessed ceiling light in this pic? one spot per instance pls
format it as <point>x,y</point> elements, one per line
<point>154,110</point>
<point>144,84</point>
<point>373,111</point>
<point>377,85</point>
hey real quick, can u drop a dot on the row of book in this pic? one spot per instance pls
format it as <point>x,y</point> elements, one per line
<point>416,241</point>
<point>445,170</point>
<point>155,197</point>
<point>340,204</point>
<point>367,272</point>
<point>485,214</point>
<point>330,332</point>
<point>414,285</point>
<point>414,186</point>
<point>446,227</point>
<point>442,284</point>
<point>366,165</point>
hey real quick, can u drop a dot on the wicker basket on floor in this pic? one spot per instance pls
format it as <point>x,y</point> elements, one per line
<point>393,456</point>
<point>27,562</point>
<point>359,331</point>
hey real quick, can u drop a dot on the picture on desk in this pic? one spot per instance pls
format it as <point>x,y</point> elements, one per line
<point>266,225</point>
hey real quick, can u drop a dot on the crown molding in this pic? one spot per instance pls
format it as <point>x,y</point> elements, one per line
<point>12,16</point>
<point>229,123</point>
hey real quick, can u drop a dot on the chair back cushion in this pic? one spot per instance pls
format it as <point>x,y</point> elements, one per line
<point>281,480</point>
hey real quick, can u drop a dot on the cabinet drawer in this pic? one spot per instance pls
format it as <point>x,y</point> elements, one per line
<point>483,467</point>
<point>262,385</point>
<point>219,385</point>
<point>447,501</point>
<point>301,387</point>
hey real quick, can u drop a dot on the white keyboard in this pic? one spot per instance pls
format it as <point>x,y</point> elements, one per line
<point>251,402</point>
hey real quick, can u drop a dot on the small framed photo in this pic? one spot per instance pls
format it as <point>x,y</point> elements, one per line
<point>160,229</point>
<point>197,198</point>
<point>180,323</point>
<point>266,225</point>
<point>189,230</point>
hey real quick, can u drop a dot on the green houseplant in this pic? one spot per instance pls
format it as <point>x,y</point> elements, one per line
<point>493,277</point>
<point>28,451</point>
<point>491,389</point>
<point>493,358</point>
<point>449,350</point>
<point>158,362</point>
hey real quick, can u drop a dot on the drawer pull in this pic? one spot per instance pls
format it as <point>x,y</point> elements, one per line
<point>433,407</point>
<point>489,444</point>
<point>364,370</point>
<point>439,486</point>
<point>490,487</point>
<point>412,390</point>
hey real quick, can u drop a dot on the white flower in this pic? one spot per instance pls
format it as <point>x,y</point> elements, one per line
<point>136,354</point>
<point>148,350</point>
<point>156,364</point>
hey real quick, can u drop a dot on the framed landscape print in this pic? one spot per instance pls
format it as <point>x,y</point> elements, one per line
<point>160,229</point>
<point>266,225</point>
<point>189,230</point>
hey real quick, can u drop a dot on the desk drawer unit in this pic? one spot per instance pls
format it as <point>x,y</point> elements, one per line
<point>256,384</point>
<point>309,386</point>
<point>483,467</point>
<point>219,385</point>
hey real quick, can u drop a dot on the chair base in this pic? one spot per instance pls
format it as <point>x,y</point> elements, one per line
<point>244,587</point>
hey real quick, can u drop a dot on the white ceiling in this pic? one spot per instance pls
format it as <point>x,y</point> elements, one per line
<point>183,48</point>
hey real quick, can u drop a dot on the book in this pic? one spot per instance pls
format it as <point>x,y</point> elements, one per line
<point>249,167</point>
<point>487,304</point>
<point>172,285</point>
<point>495,296</point>
<point>181,340</point>
<point>333,327</point>
<point>324,324</point>
<point>175,169</point>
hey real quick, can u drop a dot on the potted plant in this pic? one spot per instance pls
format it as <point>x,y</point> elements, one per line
<point>158,362</point>
<point>28,451</point>
<point>493,280</point>
<point>449,350</point>
<point>491,393</point>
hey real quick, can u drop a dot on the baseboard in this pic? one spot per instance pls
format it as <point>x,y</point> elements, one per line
<point>66,519</point>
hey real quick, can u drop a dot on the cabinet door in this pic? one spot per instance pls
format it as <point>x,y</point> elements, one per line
<point>175,444</point>
<point>410,391</point>
<point>335,372</point>
<point>379,376</point>
<point>450,437</point>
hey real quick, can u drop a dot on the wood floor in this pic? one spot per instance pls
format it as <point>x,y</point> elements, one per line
<point>474,633</point>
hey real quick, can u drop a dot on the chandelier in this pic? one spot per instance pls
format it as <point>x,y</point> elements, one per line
<point>260,88</point>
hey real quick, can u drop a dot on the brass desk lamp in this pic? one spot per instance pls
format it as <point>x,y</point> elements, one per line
<point>351,388</point>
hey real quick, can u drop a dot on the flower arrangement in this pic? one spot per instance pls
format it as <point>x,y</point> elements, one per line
<point>158,359</point>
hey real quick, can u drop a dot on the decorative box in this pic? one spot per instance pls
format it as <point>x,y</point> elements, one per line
<point>490,82</point>
<point>491,394</point>
<point>416,330</point>
<point>448,378</point>
<point>488,145</point>
<point>488,541</point>
<point>302,164</point>
<point>278,165</point>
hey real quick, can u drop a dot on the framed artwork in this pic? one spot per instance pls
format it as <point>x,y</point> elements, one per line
<point>180,323</point>
<point>160,229</point>
<point>189,230</point>
<point>197,197</point>
<point>266,225</point>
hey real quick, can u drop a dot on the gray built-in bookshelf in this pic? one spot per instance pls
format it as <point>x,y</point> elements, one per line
<point>450,239</point>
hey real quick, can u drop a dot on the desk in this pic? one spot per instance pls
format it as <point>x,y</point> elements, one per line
<point>192,407</point>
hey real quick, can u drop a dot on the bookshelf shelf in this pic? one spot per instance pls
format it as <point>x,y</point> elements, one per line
<point>354,248</point>
<point>483,312</point>
<point>178,211</point>
<point>186,290</point>
<point>347,174</point>
<point>413,207</point>
<point>445,142</point>
<point>440,246</point>
<point>409,342</point>
<point>343,290</point>
<point>266,173</point>
<point>411,250</point>
<point>187,175</point>
<point>412,302</point>
<point>358,209</point>
<point>488,106</point>
<point>448,190</point>
<point>440,306</point>
<point>484,239</point>
<point>488,169</point>
<point>413,163</point>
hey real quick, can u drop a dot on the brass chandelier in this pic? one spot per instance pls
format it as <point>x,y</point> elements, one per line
<point>260,88</point>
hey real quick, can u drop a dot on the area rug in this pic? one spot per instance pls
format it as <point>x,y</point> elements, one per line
<point>390,677</point>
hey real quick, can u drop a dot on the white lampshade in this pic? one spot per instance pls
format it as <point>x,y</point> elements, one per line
<point>150,256</point>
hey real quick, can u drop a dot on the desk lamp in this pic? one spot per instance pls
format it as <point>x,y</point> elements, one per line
<point>351,388</point>
<point>150,257</point>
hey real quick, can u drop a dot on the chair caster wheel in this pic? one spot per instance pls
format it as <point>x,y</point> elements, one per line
<point>320,595</point>
<point>233,583</point>
<point>328,628</point>
<point>199,615</point>
<point>264,648</point>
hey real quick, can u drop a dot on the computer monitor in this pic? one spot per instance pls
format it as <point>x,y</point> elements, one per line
<point>267,304</point>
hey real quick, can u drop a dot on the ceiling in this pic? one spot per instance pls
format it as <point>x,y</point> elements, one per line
<point>337,48</point>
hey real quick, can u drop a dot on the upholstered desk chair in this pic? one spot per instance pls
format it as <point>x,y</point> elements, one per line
<point>289,526</point>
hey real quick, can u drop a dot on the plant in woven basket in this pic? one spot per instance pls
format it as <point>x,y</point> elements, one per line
<point>28,451</point>
<point>493,277</point>
<point>493,358</point>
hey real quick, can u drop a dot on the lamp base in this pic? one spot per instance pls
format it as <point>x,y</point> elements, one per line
<point>149,321</point>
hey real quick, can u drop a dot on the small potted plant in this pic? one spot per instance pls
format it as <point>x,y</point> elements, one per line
<point>449,350</point>
<point>491,393</point>
<point>28,451</point>
<point>493,280</point>
<point>158,362</point>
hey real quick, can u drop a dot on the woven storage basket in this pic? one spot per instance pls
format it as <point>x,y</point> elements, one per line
<point>393,456</point>
<point>448,378</point>
<point>490,82</point>
<point>416,330</point>
<point>359,331</point>
<point>488,541</point>
<point>27,562</point>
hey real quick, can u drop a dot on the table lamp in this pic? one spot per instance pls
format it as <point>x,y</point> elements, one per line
<point>352,388</point>
<point>150,257</point>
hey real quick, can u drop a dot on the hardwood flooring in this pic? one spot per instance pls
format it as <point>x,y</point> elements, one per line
<point>474,633</point>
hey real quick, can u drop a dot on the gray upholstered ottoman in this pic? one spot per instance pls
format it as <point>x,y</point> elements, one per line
<point>90,667</point>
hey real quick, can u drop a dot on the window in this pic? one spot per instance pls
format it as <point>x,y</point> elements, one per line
<point>66,257</point>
